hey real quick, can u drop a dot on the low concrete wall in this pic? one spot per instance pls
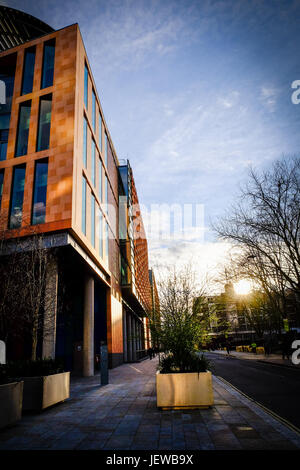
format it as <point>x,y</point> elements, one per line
<point>11,397</point>
<point>184,390</point>
<point>41,392</point>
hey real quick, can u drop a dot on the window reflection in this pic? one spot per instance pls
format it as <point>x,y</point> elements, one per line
<point>93,162</point>
<point>23,128</point>
<point>106,149</point>
<point>93,220</point>
<point>7,63</point>
<point>84,153</point>
<point>100,181</point>
<point>40,192</point>
<point>3,144</point>
<point>17,196</point>
<point>106,240</point>
<point>48,64</point>
<point>28,70</point>
<point>100,132</point>
<point>44,123</point>
<point>100,232</point>
<point>94,111</point>
<point>86,80</point>
<point>83,209</point>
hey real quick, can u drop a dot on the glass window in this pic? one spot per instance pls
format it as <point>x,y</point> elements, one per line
<point>100,181</point>
<point>94,111</point>
<point>106,240</point>
<point>106,190</point>
<point>93,220</point>
<point>106,195</point>
<point>100,132</point>
<point>106,145</point>
<point>86,83</point>
<point>28,70</point>
<point>3,144</point>
<point>40,192</point>
<point>7,76</point>
<point>23,128</point>
<point>44,123</point>
<point>48,64</point>
<point>93,162</point>
<point>17,196</point>
<point>84,153</point>
<point>100,232</point>
<point>1,185</point>
<point>83,211</point>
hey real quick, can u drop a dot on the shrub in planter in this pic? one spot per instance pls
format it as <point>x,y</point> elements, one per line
<point>183,378</point>
<point>27,368</point>
<point>193,362</point>
<point>45,382</point>
<point>188,385</point>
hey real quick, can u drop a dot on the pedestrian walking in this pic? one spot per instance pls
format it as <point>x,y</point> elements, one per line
<point>150,353</point>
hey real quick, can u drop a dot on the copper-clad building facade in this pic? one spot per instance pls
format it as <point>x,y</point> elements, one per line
<point>60,175</point>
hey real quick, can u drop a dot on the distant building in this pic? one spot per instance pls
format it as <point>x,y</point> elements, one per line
<point>243,318</point>
<point>227,319</point>
<point>60,175</point>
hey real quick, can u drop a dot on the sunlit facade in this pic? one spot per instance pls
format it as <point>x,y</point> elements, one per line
<point>59,174</point>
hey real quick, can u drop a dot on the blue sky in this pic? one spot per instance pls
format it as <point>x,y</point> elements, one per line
<point>193,92</point>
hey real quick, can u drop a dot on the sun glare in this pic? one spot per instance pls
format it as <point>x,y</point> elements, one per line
<point>242,287</point>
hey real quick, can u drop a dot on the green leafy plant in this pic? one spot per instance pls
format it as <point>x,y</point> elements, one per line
<point>193,362</point>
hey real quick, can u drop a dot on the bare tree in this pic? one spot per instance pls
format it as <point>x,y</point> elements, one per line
<point>10,298</point>
<point>179,327</point>
<point>36,261</point>
<point>26,297</point>
<point>266,224</point>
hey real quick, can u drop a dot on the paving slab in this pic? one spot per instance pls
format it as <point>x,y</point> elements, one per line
<point>123,416</point>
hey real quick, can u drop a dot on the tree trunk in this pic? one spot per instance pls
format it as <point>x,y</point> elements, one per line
<point>34,346</point>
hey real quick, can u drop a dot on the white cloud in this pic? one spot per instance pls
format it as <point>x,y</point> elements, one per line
<point>200,138</point>
<point>131,35</point>
<point>205,259</point>
<point>230,100</point>
<point>269,96</point>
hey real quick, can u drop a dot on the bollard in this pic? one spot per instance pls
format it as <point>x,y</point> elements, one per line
<point>103,363</point>
<point>2,352</point>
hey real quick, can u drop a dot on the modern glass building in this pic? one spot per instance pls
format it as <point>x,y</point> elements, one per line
<point>60,176</point>
<point>17,27</point>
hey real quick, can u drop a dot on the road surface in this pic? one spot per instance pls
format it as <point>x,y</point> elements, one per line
<point>276,387</point>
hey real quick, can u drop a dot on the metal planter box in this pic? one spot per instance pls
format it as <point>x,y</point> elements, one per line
<point>184,390</point>
<point>42,392</point>
<point>11,397</point>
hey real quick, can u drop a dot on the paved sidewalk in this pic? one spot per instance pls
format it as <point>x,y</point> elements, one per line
<point>271,358</point>
<point>123,415</point>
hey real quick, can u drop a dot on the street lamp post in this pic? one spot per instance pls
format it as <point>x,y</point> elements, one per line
<point>103,363</point>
